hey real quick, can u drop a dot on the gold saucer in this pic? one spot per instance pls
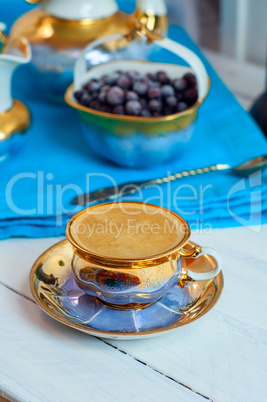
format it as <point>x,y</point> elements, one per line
<point>57,294</point>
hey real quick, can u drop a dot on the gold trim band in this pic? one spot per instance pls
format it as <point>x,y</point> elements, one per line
<point>15,120</point>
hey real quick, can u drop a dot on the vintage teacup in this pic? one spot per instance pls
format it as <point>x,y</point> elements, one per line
<point>128,254</point>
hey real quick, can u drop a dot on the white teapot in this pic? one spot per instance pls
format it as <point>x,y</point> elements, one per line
<point>59,29</point>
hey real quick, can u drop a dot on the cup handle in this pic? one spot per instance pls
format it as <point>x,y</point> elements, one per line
<point>80,67</point>
<point>195,252</point>
<point>194,62</point>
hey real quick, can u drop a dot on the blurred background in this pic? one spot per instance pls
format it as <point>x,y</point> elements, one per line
<point>237,28</point>
<point>233,36</point>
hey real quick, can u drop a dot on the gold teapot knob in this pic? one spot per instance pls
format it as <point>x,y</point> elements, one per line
<point>153,15</point>
<point>33,1</point>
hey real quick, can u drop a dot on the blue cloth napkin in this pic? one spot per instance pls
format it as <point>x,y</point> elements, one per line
<point>56,164</point>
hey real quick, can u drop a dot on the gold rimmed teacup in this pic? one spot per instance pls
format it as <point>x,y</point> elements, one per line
<point>128,254</point>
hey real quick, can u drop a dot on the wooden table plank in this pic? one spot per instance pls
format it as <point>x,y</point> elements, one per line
<point>206,355</point>
<point>223,354</point>
<point>41,360</point>
<point>217,356</point>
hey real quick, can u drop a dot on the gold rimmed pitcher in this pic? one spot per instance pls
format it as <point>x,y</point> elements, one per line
<point>14,115</point>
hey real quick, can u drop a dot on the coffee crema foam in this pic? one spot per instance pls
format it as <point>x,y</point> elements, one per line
<point>128,231</point>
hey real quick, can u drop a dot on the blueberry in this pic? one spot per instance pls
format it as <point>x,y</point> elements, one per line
<point>190,96</point>
<point>151,76</point>
<point>130,95</point>
<point>171,101</point>
<point>102,96</point>
<point>93,86</point>
<point>155,105</point>
<point>190,79</point>
<point>154,93</point>
<point>143,103</point>
<point>115,96</point>
<point>162,77</point>
<point>104,79</point>
<point>134,75</point>
<point>167,111</point>
<point>133,108</point>
<point>112,79</point>
<point>78,95</point>
<point>87,84</point>
<point>128,92</point>
<point>167,90</point>
<point>105,108</point>
<point>180,85</point>
<point>85,99</point>
<point>138,78</point>
<point>118,110</point>
<point>95,104</point>
<point>153,84</point>
<point>94,95</point>
<point>181,107</point>
<point>145,113</point>
<point>124,82</point>
<point>140,88</point>
<point>179,96</point>
<point>105,88</point>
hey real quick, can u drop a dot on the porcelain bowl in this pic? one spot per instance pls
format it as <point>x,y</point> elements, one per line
<point>128,140</point>
<point>136,141</point>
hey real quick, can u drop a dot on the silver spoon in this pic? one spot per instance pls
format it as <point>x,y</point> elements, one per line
<point>108,193</point>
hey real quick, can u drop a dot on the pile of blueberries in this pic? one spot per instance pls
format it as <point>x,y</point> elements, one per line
<point>130,93</point>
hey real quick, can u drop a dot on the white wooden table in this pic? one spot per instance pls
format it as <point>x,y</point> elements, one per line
<point>221,357</point>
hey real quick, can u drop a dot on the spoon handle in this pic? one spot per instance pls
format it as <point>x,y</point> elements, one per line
<point>132,187</point>
<point>193,172</point>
